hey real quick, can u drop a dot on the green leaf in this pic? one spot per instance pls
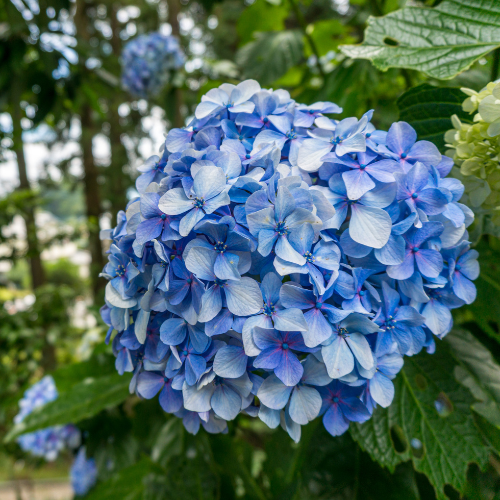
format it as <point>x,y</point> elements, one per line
<point>441,41</point>
<point>485,310</point>
<point>127,484</point>
<point>440,444</point>
<point>270,55</point>
<point>84,400</point>
<point>478,371</point>
<point>429,109</point>
<point>169,442</point>
<point>68,376</point>
<point>327,35</point>
<point>261,16</point>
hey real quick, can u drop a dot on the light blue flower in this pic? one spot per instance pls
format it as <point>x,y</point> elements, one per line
<point>347,344</point>
<point>341,405</point>
<point>206,195</point>
<point>273,226</point>
<point>342,137</point>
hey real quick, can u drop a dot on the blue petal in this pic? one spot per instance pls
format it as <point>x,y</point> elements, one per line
<point>173,331</point>
<point>305,404</point>
<point>334,421</point>
<point>290,320</point>
<point>149,384</point>
<point>273,393</point>
<point>338,358</point>
<point>195,366</point>
<point>319,329</point>
<point>289,370</point>
<point>226,403</point>
<point>243,297</point>
<point>170,399</point>
<point>230,362</point>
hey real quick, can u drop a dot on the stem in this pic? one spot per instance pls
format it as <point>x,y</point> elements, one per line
<point>309,38</point>
<point>407,77</point>
<point>495,64</point>
<point>356,478</point>
<point>308,432</point>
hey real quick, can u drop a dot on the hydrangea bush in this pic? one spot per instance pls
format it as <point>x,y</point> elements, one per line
<point>476,150</point>
<point>148,62</point>
<point>280,263</point>
<point>46,443</point>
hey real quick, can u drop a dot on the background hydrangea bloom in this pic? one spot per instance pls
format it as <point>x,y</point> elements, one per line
<point>46,443</point>
<point>342,225</point>
<point>147,63</point>
<point>83,473</point>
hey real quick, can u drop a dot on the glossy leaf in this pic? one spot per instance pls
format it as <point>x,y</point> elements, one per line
<point>270,55</point>
<point>478,371</point>
<point>84,400</point>
<point>429,110</point>
<point>441,41</point>
<point>430,422</point>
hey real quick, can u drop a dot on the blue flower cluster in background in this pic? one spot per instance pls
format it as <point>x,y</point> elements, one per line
<point>148,62</point>
<point>46,443</point>
<point>83,473</point>
<point>280,263</point>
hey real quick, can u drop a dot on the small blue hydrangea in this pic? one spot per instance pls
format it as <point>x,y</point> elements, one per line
<point>280,263</point>
<point>148,62</point>
<point>83,473</point>
<point>46,443</point>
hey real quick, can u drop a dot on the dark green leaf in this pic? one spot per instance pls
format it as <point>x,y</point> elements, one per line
<point>68,376</point>
<point>84,400</point>
<point>440,444</point>
<point>429,109</point>
<point>270,55</point>
<point>127,484</point>
<point>441,41</point>
<point>169,442</point>
<point>478,371</point>
<point>485,310</point>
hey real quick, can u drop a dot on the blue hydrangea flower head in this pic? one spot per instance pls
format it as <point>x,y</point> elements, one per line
<point>281,262</point>
<point>148,62</point>
<point>46,443</point>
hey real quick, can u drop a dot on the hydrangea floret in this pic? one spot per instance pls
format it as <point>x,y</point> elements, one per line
<point>46,443</point>
<point>148,62</point>
<point>476,152</point>
<point>280,263</point>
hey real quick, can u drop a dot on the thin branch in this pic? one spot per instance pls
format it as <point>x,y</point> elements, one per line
<point>309,38</point>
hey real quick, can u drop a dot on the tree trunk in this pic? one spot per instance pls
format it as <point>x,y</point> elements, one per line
<point>92,199</point>
<point>119,159</point>
<point>174,9</point>
<point>91,185</point>
<point>34,251</point>
<point>33,254</point>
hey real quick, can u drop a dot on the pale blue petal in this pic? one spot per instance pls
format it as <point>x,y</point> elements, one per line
<point>273,393</point>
